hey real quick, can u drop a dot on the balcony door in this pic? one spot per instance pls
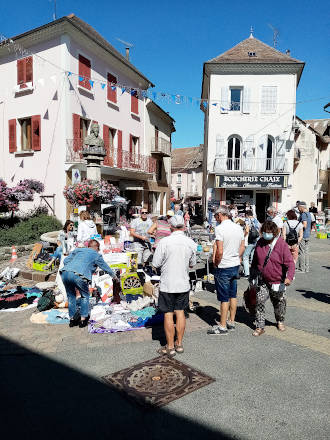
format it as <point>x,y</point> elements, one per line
<point>234,154</point>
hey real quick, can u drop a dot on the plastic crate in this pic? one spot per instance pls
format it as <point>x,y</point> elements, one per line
<point>41,267</point>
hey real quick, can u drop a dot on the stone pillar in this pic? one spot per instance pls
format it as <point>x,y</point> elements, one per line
<point>94,156</point>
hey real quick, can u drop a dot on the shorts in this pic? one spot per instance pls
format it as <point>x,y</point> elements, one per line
<point>226,283</point>
<point>168,302</point>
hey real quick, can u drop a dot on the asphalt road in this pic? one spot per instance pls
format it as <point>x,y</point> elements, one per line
<point>272,387</point>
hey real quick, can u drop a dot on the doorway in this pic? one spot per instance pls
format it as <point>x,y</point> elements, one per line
<point>262,203</point>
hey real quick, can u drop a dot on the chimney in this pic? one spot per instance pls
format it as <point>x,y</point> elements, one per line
<point>127,53</point>
<point>288,52</point>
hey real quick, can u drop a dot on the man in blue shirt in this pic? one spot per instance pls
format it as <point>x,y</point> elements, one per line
<point>306,220</point>
<point>76,273</point>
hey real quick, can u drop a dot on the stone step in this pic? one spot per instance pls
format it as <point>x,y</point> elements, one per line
<point>37,276</point>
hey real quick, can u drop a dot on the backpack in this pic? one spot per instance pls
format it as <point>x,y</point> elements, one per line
<point>292,236</point>
<point>253,233</point>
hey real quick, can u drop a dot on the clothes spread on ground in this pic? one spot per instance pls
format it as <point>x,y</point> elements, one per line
<point>19,298</point>
<point>52,316</point>
<point>113,318</point>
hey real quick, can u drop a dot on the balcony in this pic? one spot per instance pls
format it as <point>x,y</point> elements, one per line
<point>161,147</point>
<point>251,165</point>
<point>119,160</point>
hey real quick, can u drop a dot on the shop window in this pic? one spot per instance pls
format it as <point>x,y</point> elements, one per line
<point>233,153</point>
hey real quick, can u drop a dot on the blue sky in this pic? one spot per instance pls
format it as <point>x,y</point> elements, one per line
<point>172,39</point>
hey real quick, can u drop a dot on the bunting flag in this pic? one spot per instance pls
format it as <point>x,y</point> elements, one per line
<point>103,85</point>
<point>21,165</point>
<point>91,83</point>
<point>81,78</point>
<point>123,90</point>
<point>69,73</point>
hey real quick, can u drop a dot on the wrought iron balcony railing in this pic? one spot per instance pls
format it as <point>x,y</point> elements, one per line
<point>115,158</point>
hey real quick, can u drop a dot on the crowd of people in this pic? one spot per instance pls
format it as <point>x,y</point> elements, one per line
<point>266,255</point>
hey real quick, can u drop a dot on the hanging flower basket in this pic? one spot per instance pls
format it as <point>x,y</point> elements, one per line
<point>87,192</point>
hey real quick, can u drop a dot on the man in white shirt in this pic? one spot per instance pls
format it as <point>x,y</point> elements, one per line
<point>275,217</point>
<point>230,246</point>
<point>139,232</point>
<point>174,256</point>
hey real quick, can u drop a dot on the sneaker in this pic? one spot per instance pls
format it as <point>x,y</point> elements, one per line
<point>216,330</point>
<point>231,325</point>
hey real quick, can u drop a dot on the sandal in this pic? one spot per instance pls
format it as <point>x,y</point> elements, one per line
<point>280,326</point>
<point>258,332</point>
<point>165,351</point>
<point>179,348</point>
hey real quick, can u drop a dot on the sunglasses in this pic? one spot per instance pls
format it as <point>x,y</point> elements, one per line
<point>144,212</point>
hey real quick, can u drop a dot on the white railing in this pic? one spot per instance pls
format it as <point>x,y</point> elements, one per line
<point>251,164</point>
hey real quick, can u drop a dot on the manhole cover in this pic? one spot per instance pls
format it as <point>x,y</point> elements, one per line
<point>158,381</point>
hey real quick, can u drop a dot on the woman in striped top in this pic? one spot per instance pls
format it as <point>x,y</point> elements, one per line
<point>161,228</point>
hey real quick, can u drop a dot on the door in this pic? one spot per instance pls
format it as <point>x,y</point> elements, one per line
<point>262,203</point>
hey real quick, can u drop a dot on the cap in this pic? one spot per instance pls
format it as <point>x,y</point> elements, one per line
<point>302,204</point>
<point>170,213</point>
<point>177,221</point>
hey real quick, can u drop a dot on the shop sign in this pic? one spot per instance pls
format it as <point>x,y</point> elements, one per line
<point>251,181</point>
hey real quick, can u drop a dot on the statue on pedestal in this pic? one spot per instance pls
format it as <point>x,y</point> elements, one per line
<point>93,142</point>
<point>94,153</point>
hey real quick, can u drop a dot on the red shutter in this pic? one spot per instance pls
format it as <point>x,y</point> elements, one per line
<point>21,72</point>
<point>77,145</point>
<point>28,69</point>
<point>112,94</point>
<point>85,72</point>
<point>106,144</point>
<point>12,136</point>
<point>134,102</point>
<point>120,149</point>
<point>36,132</point>
<point>130,146</point>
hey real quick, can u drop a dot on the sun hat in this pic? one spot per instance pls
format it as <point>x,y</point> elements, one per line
<point>170,213</point>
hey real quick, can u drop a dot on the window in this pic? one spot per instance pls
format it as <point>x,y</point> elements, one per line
<point>179,193</point>
<point>268,99</point>
<point>112,90</point>
<point>26,134</point>
<point>156,138</point>
<point>134,149</point>
<point>24,72</point>
<point>84,126</point>
<point>270,151</point>
<point>233,153</point>
<point>252,54</point>
<point>235,98</point>
<point>30,137</point>
<point>178,178</point>
<point>84,72</point>
<point>193,176</point>
<point>134,102</point>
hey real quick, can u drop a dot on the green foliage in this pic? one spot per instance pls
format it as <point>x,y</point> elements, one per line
<point>28,231</point>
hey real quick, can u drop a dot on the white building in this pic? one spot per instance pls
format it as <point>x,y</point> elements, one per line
<point>187,173</point>
<point>312,162</point>
<point>249,126</point>
<point>56,80</point>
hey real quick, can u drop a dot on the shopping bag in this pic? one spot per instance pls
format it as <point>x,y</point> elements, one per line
<point>250,299</point>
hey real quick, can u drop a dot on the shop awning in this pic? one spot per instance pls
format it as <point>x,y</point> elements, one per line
<point>131,186</point>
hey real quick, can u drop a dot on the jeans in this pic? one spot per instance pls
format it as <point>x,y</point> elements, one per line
<point>303,257</point>
<point>247,256</point>
<point>226,283</point>
<point>58,253</point>
<point>72,282</point>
